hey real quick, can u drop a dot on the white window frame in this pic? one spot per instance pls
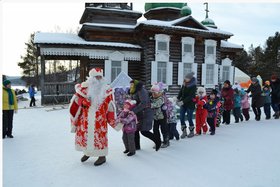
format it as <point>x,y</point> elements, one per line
<point>162,55</point>
<point>154,72</point>
<point>226,62</point>
<point>187,58</point>
<point>114,56</point>
<point>210,59</point>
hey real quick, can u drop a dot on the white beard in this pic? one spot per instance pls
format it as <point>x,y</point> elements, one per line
<point>96,90</point>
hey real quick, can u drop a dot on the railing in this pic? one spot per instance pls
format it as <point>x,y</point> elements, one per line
<point>58,92</point>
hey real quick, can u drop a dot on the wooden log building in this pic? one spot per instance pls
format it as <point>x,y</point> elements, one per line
<point>167,45</point>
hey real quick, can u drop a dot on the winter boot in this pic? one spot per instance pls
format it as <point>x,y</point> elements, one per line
<point>277,114</point>
<point>84,158</point>
<point>165,143</point>
<point>101,160</point>
<point>131,154</point>
<point>191,132</point>
<point>184,134</point>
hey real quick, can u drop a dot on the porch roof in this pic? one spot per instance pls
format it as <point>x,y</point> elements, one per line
<point>66,38</point>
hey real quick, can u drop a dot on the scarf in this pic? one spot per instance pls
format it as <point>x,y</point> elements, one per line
<point>11,96</point>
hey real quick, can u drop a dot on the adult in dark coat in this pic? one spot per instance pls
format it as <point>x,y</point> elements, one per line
<point>185,99</point>
<point>227,95</point>
<point>143,111</point>
<point>275,95</point>
<point>257,98</point>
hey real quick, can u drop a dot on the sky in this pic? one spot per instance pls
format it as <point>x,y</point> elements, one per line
<point>251,22</point>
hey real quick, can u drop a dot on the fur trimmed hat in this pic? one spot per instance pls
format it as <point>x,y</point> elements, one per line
<point>96,72</point>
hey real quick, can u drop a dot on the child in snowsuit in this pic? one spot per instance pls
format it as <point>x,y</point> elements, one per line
<point>267,101</point>
<point>160,121</point>
<point>172,122</point>
<point>201,112</point>
<point>129,121</point>
<point>211,107</point>
<point>237,106</point>
<point>245,105</point>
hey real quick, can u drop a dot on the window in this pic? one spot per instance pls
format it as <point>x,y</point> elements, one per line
<point>187,68</point>
<point>161,72</point>
<point>187,48</point>
<point>210,74</point>
<point>162,46</point>
<point>210,50</point>
<point>115,69</point>
<point>226,73</point>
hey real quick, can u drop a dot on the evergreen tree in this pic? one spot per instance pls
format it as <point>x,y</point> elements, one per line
<point>29,63</point>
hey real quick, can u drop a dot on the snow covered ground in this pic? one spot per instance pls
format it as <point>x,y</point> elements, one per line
<point>42,154</point>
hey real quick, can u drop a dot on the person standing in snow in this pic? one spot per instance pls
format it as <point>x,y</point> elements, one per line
<point>129,121</point>
<point>267,101</point>
<point>172,121</point>
<point>9,107</point>
<point>257,99</point>
<point>31,91</point>
<point>245,105</point>
<point>160,121</point>
<point>211,107</point>
<point>237,105</point>
<point>201,111</point>
<point>143,112</point>
<point>227,96</point>
<point>185,100</point>
<point>92,108</point>
<point>275,95</point>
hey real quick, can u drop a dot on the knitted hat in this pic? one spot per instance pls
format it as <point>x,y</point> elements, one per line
<point>227,82</point>
<point>214,92</point>
<point>96,72</point>
<point>189,75</point>
<point>156,89</point>
<point>254,79</point>
<point>130,103</point>
<point>6,82</point>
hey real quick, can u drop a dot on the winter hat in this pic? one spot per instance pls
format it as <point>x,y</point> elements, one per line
<point>227,82</point>
<point>156,88</point>
<point>214,92</point>
<point>267,83</point>
<point>133,89</point>
<point>6,82</point>
<point>254,79</point>
<point>189,75</point>
<point>130,103</point>
<point>96,72</point>
<point>201,90</point>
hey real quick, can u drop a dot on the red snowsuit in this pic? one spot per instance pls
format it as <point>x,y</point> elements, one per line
<point>200,115</point>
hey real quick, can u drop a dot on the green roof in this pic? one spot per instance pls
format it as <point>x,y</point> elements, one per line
<point>209,23</point>
<point>149,6</point>
<point>186,11</point>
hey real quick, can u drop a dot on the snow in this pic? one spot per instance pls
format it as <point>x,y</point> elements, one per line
<point>226,44</point>
<point>113,9</point>
<point>42,154</point>
<point>65,38</point>
<point>171,24</point>
<point>124,26</point>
